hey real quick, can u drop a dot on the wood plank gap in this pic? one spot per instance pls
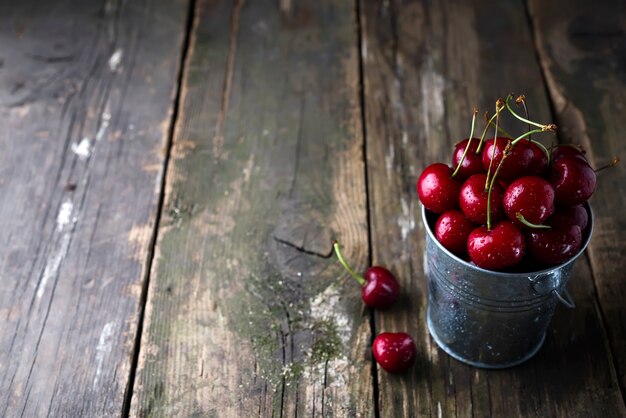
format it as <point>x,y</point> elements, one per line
<point>553,115</point>
<point>189,26</point>
<point>359,39</point>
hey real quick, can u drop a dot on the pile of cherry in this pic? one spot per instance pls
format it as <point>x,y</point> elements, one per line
<point>504,201</point>
<point>508,201</point>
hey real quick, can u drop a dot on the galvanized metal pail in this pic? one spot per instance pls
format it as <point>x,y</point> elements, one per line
<point>486,318</point>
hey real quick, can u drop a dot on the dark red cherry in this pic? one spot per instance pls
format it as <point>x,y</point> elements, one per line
<point>516,164</point>
<point>436,188</point>
<point>574,181</point>
<point>379,287</point>
<point>570,215</point>
<point>570,151</point>
<point>473,200</point>
<point>472,163</point>
<point>395,352</point>
<point>452,229</point>
<point>554,246</point>
<point>539,161</point>
<point>497,249</point>
<point>530,196</point>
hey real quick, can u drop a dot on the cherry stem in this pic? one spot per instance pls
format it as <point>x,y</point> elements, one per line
<point>482,137</point>
<point>544,127</point>
<point>495,141</point>
<point>529,224</point>
<point>501,130</point>
<point>540,145</point>
<point>614,162</point>
<point>469,141</point>
<point>345,265</point>
<point>526,134</point>
<point>507,151</point>
<point>522,99</point>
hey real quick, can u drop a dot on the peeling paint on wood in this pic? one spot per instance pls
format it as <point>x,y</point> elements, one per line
<point>71,281</point>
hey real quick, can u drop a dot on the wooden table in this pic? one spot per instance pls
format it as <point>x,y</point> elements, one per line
<point>172,174</point>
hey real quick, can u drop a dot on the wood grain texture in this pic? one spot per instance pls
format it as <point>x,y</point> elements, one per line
<point>582,49</point>
<point>86,92</point>
<point>425,65</point>
<point>247,313</point>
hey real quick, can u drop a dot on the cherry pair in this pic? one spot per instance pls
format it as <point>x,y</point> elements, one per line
<point>395,352</point>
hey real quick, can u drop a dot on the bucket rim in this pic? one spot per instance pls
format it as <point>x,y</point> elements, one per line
<point>516,275</point>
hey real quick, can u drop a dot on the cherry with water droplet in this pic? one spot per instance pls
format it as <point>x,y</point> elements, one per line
<point>437,189</point>
<point>395,352</point>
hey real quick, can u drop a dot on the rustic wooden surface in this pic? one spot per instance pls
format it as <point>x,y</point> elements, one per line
<point>81,161</point>
<point>298,122</point>
<point>247,313</point>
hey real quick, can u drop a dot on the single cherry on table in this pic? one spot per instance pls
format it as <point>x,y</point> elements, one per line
<point>394,351</point>
<point>379,287</point>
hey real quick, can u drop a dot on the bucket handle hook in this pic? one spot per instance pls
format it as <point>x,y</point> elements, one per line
<point>565,298</point>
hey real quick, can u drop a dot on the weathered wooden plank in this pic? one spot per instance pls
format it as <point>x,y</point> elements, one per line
<point>86,95</point>
<point>425,65</point>
<point>581,50</point>
<point>247,314</point>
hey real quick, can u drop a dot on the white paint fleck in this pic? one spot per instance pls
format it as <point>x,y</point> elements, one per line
<point>65,214</point>
<point>82,149</point>
<point>266,132</point>
<point>405,138</point>
<point>53,263</point>
<point>105,344</point>
<point>439,411</point>
<point>106,117</point>
<point>406,222</point>
<point>364,49</point>
<point>64,218</point>
<point>116,59</point>
<point>389,160</point>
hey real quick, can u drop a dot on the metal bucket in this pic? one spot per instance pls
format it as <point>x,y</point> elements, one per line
<point>486,318</point>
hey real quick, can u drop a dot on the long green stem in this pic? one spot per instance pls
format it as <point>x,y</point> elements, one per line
<point>540,145</point>
<point>523,119</point>
<point>495,141</point>
<point>346,266</point>
<point>524,135</point>
<point>502,131</point>
<point>507,151</point>
<point>522,99</point>
<point>469,141</point>
<point>482,137</point>
<point>529,224</point>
